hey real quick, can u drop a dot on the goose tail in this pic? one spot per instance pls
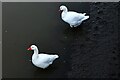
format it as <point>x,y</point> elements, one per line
<point>56,56</point>
<point>84,13</point>
<point>85,17</point>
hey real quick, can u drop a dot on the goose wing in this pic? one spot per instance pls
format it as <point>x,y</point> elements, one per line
<point>74,16</point>
<point>45,58</point>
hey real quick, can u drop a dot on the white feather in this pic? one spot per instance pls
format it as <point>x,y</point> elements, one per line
<point>42,60</point>
<point>71,17</point>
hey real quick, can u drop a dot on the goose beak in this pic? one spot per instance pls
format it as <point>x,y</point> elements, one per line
<point>29,48</point>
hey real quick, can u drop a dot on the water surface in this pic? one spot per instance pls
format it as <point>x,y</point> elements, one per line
<point>40,24</point>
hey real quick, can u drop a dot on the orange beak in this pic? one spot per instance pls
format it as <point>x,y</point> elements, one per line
<point>29,48</point>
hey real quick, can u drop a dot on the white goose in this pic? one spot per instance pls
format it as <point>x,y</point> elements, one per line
<point>41,60</point>
<point>71,17</point>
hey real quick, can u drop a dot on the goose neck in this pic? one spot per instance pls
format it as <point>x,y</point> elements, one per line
<point>66,10</point>
<point>36,51</point>
<point>35,55</point>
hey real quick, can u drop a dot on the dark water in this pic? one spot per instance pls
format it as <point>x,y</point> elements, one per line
<point>40,24</point>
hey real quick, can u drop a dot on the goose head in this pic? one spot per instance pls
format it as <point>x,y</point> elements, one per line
<point>32,47</point>
<point>63,8</point>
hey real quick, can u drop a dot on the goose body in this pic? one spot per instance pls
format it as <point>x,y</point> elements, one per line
<point>71,17</point>
<point>41,60</point>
